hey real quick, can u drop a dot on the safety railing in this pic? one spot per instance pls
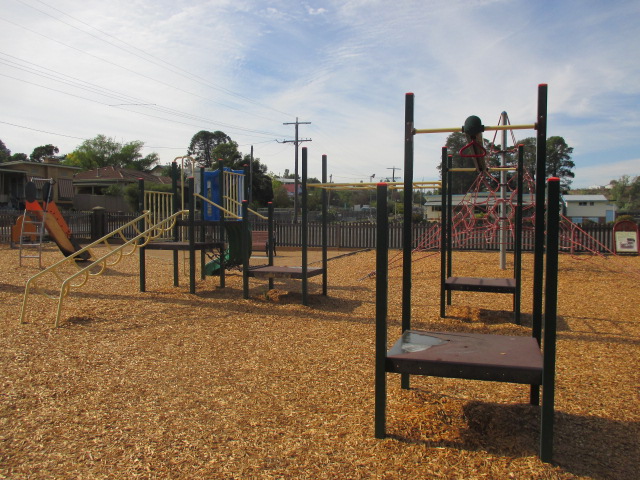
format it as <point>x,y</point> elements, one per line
<point>100,263</point>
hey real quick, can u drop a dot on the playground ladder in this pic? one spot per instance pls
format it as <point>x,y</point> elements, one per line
<point>32,235</point>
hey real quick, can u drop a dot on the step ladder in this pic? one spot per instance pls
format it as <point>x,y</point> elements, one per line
<point>32,235</point>
<point>33,224</point>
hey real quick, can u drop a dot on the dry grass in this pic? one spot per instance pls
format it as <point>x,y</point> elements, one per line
<point>169,385</point>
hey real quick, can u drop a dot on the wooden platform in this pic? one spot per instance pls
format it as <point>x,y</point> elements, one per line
<point>282,272</point>
<point>183,245</point>
<point>476,284</point>
<point>472,356</point>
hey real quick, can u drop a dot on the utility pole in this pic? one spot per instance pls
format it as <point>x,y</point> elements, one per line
<point>393,177</point>
<point>296,142</point>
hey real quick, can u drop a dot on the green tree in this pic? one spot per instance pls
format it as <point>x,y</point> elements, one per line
<point>19,157</point>
<point>5,153</point>
<point>280,195</point>
<point>625,192</point>
<point>203,144</point>
<point>39,153</point>
<point>102,151</point>
<point>461,182</point>
<point>559,163</point>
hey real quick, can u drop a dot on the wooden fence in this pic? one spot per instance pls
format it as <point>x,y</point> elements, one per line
<point>341,235</point>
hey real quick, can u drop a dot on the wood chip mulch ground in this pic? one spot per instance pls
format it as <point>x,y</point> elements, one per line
<point>169,385</point>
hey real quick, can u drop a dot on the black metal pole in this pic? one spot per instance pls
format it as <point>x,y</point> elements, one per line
<point>220,202</point>
<point>176,229</point>
<point>407,232</point>
<point>324,228</point>
<point>538,255</point>
<point>141,227</point>
<point>517,246</point>
<point>271,240</point>
<point>202,226</point>
<point>550,314</point>
<point>246,243</point>
<point>192,236</point>
<point>382,265</point>
<point>449,222</point>
<point>443,232</point>
<point>305,239</point>
<point>541,164</point>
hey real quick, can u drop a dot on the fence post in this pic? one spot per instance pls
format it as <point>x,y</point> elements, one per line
<point>98,223</point>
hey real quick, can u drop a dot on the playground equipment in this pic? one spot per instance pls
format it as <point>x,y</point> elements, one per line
<point>99,261</point>
<point>497,358</point>
<point>303,272</point>
<point>473,129</point>
<point>449,283</point>
<point>29,229</point>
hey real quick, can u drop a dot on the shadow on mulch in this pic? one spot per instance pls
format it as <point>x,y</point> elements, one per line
<point>589,446</point>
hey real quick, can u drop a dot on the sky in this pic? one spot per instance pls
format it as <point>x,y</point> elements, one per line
<point>159,71</point>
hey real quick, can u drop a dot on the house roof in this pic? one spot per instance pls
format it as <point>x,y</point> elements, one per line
<point>119,175</point>
<point>40,164</point>
<point>585,198</point>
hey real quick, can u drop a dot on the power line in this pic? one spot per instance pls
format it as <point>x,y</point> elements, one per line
<point>173,68</point>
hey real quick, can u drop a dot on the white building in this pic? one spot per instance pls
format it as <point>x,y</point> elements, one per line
<point>595,208</point>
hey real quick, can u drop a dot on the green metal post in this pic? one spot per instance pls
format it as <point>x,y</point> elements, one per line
<point>443,233</point>
<point>325,259</point>
<point>538,256</point>
<point>305,239</point>
<point>382,265</point>
<point>221,223</point>
<point>142,228</point>
<point>270,239</point>
<point>192,236</point>
<point>550,314</point>
<point>245,239</point>
<point>202,226</point>
<point>176,229</point>
<point>517,246</point>
<point>449,222</point>
<point>407,231</point>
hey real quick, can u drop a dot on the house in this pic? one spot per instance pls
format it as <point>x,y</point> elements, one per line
<point>91,187</point>
<point>595,208</point>
<point>15,175</point>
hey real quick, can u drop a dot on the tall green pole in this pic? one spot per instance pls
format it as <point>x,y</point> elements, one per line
<point>192,236</point>
<point>538,258</point>
<point>324,227</point>
<point>305,239</point>
<point>550,314</point>
<point>407,231</point>
<point>444,218</point>
<point>382,265</point>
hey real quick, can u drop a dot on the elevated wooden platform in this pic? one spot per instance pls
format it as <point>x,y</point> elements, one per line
<point>476,284</point>
<point>282,272</point>
<point>473,356</point>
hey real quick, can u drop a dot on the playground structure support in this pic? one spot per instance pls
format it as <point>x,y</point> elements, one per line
<point>471,356</point>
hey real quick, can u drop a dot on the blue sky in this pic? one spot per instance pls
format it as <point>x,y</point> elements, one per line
<point>159,71</point>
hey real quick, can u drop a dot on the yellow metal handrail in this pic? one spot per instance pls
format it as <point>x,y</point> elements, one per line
<point>102,262</point>
<point>205,199</point>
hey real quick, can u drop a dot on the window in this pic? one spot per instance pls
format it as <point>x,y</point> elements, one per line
<point>592,203</point>
<point>583,204</point>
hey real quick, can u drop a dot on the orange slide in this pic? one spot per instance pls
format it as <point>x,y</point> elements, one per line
<point>56,227</point>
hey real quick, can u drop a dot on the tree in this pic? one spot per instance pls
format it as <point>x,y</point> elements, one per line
<point>460,181</point>
<point>40,153</point>
<point>5,153</point>
<point>559,163</point>
<point>280,195</point>
<point>625,192</point>
<point>204,143</point>
<point>102,151</point>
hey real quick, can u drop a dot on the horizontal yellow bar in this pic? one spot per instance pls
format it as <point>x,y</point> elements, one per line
<point>489,169</point>
<point>486,128</point>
